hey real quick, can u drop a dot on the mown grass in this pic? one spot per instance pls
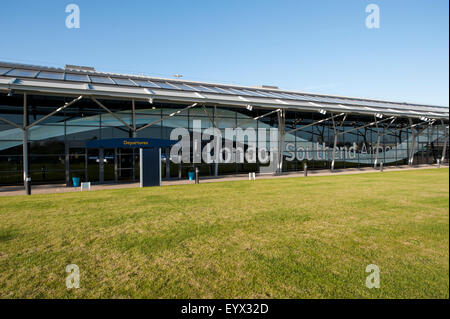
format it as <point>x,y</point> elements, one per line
<point>279,238</point>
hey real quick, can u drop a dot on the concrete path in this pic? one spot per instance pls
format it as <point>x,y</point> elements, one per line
<point>61,188</point>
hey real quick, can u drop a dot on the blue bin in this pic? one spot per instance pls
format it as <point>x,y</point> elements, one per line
<point>191,175</point>
<point>76,181</point>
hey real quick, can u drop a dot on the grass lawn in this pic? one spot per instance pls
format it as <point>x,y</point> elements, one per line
<point>277,238</point>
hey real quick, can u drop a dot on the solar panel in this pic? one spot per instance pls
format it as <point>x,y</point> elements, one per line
<point>205,89</point>
<point>4,70</point>
<point>101,79</point>
<point>121,81</point>
<point>277,95</point>
<point>22,73</point>
<point>222,90</point>
<point>299,97</point>
<point>164,85</point>
<point>184,87</point>
<point>76,77</point>
<point>267,94</point>
<point>239,92</point>
<point>146,84</point>
<point>290,96</point>
<point>254,93</point>
<point>50,75</point>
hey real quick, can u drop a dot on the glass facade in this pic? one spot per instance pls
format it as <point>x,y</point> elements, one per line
<point>57,145</point>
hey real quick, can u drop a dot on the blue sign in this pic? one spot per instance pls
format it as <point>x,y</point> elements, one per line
<point>130,143</point>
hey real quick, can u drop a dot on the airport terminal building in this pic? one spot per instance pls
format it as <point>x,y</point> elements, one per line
<point>48,114</point>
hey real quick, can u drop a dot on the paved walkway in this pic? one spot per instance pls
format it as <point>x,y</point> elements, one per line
<point>61,188</point>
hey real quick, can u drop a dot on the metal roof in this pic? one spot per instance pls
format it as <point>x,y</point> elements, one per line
<point>88,82</point>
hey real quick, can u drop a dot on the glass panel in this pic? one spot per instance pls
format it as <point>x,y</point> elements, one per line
<point>22,72</point>
<point>4,70</point>
<point>221,90</point>
<point>101,79</point>
<point>50,75</point>
<point>299,97</point>
<point>205,89</point>
<point>277,95</point>
<point>254,93</point>
<point>146,84</point>
<point>268,94</point>
<point>184,87</point>
<point>77,77</point>
<point>239,92</point>
<point>165,85</point>
<point>120,81</point>
<point>292,97</point>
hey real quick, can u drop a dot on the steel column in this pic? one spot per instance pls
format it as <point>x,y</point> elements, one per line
<point>444,149</point>
<point>133,116</point>
<point>336,138</point>
<point>167,163</point>
<point>67,163</point>
<point>116,175</point>
<point>412,144</point>
<point>216,150</point>
<point>26,177</point>
<point>101,163</point>
<point>378,140</point>
<point>281,128</point>
<point>86,165</point>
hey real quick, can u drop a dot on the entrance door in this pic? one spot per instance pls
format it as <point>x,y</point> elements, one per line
<point>126,164</point>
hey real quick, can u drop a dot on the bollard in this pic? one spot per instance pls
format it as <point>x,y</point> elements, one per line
<point>254,176</point>
<point>381,166</point>
<point>250,176</point>
<point>196,175</point>
<point>438,163</point>
<point>305,170</point>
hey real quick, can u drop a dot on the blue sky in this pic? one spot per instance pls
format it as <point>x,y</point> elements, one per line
<point>314,46</point>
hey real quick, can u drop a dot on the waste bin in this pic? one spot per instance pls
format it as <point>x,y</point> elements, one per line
<point>76,181</point>
<point>191,175</point>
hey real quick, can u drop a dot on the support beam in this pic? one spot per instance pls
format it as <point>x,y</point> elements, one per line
<point>336,131</point>
<point>315,123</point>
<point>166,117</point>
<point>367,125</point>
<point>86,165</point>
<point>26,177</point>
<point>101,162</point>
<point>213,121</point>
<point>133,116</point>
<point>216,164</point>
<point>10,123</point>
<point>444,149</point>
<point>167,163</point>
<point>67,163</point>
<point>258,117</point>
<point>267,114</point>
<point>412,145</point>
<point>116,171</point>
<point>414,137</point>
<point>54,112</point>
<point>282,132</point>
<point>112,114</point>
<point>379,139</point>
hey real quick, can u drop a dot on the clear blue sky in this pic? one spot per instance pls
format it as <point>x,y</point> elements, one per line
<point>314,46</point>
